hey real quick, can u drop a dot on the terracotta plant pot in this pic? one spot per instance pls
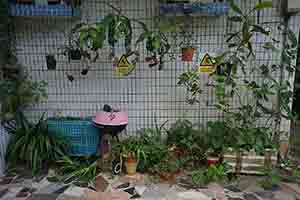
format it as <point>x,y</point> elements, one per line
<point>188,54</point>
<point>169,176</point>
<point>211,161</point>
<point>131,166</point>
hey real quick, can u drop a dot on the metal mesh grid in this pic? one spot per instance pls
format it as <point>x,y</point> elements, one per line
<point>147,94</point>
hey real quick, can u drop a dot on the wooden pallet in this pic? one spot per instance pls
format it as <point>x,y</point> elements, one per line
<point>249,162</point>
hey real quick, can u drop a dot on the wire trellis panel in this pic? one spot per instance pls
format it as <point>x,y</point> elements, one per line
<point>147,94</point>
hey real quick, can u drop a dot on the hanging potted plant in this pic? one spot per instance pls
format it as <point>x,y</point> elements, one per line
<point>73,49</point>
<point>131,151</point>
<point>187,50</point>
<point>157,43</point>
<point>187,53</point>
<point>119,27</point>
<point>51,62</point>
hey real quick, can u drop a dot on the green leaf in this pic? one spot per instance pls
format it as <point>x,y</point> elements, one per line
<point>234,7</point>
<point>231,36</point>
<point>292,37</point>
<point>142,37</point>
<point>264,5</point>
<point>259,29</point>
<point>269,45</point>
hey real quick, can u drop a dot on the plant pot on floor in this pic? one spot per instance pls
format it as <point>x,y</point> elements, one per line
<point>131,166</point>
<point>169,176</point>
<point>188,54</point>
<point>51,62</point>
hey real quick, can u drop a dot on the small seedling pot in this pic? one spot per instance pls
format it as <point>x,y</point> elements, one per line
<point>187,54</point>
<point>131,166</point>
<point>75,54</point>
<point>51,62</point>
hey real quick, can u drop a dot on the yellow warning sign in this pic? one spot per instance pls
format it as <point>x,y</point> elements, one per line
<point>124,67</point>
<point>207,64</point>
<point>123,62</point>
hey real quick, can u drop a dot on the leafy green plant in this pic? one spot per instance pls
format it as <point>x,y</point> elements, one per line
<point>167,166</point>
<point>192,81</point>
<point>271,180</point>
<point>89,39</point>
<point>19,93</point>
<point>76,171</point>
<point>7,54</point>
<point>157,40</point>
<point>253,123</point>
<point>35,146</point>
<point>131,148</point>
<point>154,146</point>
<point>215,173</point>
<point>188,137</point>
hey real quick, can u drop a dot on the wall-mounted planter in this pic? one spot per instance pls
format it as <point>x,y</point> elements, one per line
<point>187,54</point>
<point>195,8</point>
<point>51,62</point>
<point>43,10</point>
<point>74,54</point>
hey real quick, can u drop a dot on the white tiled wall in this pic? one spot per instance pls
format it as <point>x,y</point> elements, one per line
<point>146,93</point>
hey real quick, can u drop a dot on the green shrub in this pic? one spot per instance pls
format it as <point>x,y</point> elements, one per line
<point>76,171</point>
<point>33,145</point>
<point>215,173</point>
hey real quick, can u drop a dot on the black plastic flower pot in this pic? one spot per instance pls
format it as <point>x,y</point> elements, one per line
<point>75,54</point>
<point>51,62</point>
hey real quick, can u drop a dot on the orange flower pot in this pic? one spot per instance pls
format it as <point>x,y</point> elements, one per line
<point>131,166</point>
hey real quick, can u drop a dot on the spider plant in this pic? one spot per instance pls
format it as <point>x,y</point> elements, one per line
<point>75,171</point>
<point>34,146</point>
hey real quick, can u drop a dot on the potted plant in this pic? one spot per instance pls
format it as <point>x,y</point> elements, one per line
<point>157,43</point>
<point>119,27</point>
<point>131,150</point>
<point>187,53</point>
<point>51,62</point>
<point>168,170</point>
<point>218,139</point>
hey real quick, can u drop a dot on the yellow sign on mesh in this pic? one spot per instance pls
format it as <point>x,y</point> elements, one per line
<point>207,65</point>
<point>124,67</point>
